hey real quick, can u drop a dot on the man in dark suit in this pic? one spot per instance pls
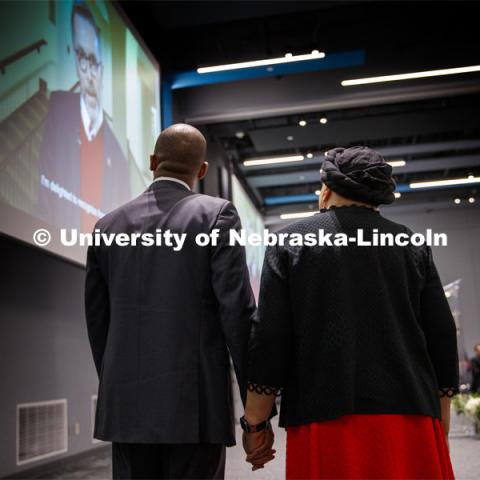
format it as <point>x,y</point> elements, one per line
<point>83,171</point>
<point>162,323</point>
<point>475,369</point>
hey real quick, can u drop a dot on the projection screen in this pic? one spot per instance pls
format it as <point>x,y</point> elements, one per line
<point>79,115</point>
<point>252,222</point>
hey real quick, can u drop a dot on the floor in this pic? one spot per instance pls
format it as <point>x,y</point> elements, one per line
<point>465,453</point>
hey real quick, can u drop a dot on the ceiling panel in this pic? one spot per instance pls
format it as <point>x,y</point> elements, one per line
<point>362,129</point>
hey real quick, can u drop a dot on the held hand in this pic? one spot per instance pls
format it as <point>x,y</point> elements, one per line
<point>258,447</point>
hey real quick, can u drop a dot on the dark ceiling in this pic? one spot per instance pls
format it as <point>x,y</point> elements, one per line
<point>434,127</point>
<point>184,34</point>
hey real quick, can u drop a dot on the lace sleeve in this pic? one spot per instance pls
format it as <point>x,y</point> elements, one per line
<point>447,392</point>
<point>263,389</point>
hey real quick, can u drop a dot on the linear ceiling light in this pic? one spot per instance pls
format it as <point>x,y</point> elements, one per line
<point>290,216</point>
<point>397,163</point>
<point>315,55</point>
<point>410,76</point>
<point>446,183</point>
<point>267,161</point>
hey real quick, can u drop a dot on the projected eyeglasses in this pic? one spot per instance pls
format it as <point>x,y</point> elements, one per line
<point>87,61</point>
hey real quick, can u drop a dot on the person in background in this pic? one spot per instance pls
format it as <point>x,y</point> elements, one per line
<point>162,323</point>
<point>475,369</point>
<point>359,341</point>
<point>79,150</point>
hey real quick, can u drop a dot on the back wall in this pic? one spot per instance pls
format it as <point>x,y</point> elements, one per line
<point>45,354</point>
<point>460,259</point>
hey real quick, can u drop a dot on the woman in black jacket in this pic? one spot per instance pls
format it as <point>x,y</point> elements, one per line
<point>359,341</point>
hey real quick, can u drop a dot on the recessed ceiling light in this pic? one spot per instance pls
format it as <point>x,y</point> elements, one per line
<point>323,120</point>
<point>289,138</point>
<point>413,75</point>
<point>309,155</point>
<point>290,216</point>
<point>471,200</point>
<point>240,134</point>
<point>317,192</point>
<point>457,201</point>
<point>445,183</point>
<point>268,160</point>
<point>288,58</point>
<point>397,163</point>
<point>397,194</point>
<point>302,123</point>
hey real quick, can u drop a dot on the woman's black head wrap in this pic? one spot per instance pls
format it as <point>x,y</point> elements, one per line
<point>359,173</point>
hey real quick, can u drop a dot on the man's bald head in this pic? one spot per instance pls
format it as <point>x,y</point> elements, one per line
<point>179,152</point>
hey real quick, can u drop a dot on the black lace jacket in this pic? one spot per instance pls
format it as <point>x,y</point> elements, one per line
<point>351,329</point>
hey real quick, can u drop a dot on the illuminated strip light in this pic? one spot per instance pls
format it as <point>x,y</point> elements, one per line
<point>290,216</point>
<point>397,163</point>
<point>260,63</point>
<point>446,183</point>
<point>410,76</point>
<point>268,161</point>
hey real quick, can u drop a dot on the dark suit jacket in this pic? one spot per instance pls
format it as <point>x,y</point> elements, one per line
<point>161,323</point>
<point>475,367</point>
<point>59,161</point>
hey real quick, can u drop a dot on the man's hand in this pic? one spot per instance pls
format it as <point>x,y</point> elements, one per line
<point>258,447</point>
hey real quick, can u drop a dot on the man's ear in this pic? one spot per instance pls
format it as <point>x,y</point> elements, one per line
<point>203,171</point>
<point>153,163</point>
<point>325,194</point>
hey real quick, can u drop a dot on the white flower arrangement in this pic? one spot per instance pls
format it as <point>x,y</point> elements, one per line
<point>472,408</point>
<point>468,404</point>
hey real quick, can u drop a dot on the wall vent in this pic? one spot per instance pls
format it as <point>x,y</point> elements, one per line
<point>42,430</point>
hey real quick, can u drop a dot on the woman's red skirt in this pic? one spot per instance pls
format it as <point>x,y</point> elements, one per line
<point>369,447</point>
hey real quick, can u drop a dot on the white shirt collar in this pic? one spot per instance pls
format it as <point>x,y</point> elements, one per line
<point>171,179</point>
<point>90,130</point>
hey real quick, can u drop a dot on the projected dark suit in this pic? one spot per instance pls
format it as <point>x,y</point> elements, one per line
<point>60,162</point>
<point>161,324</point>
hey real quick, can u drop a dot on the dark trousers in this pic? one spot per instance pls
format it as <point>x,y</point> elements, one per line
<point>150,461</point>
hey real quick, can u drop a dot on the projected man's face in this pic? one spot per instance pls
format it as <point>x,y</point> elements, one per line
<point>89,64</point>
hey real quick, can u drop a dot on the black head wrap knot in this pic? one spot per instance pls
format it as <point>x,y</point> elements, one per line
<point>359,173</point>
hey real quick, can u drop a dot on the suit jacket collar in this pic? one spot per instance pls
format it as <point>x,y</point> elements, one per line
<point>174,180</point>
<point>168,185</point>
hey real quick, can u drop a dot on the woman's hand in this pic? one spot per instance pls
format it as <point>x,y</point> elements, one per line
<point>258,447</point>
